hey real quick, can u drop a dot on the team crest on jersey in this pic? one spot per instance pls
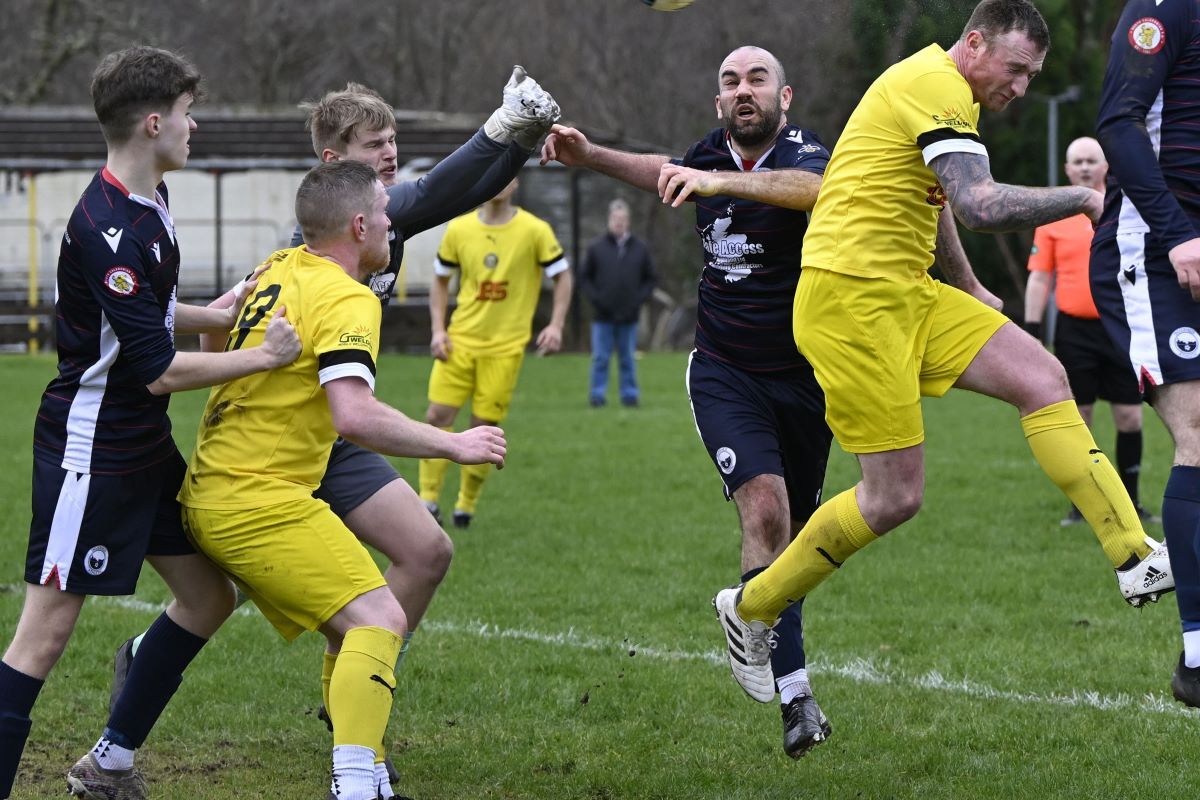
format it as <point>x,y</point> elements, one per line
<point>359,337</point>
<point>936,196</point>
<point>1147,36</point>
<point>95,561</point>
<point>1185,343</point>
<point>121,281</point>
<point>491,260</point>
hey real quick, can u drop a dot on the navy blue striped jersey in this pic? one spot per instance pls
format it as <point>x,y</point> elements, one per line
<point>118,268</point>
<point>751,257</point>
<point>1149,123</point>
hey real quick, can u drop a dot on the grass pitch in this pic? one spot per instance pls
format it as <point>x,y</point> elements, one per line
<point>980,651</point>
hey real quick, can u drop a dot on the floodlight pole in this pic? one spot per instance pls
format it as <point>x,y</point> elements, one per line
<point>1068,95</point>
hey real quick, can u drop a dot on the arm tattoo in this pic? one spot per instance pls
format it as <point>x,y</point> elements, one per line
<point>986,206</point>
<point>949,254</point>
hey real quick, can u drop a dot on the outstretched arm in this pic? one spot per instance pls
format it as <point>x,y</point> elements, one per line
<point>471,175</point>
<point>787,188</point>
<point>570,147</point>
<point>989,207</point>
<point>360,418</point>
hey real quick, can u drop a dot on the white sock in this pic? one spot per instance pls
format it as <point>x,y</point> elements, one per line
<point>383,787</point>
<point>110,756</point>
<point>137,642</point>
<point>353,772</point>
<point>1191,649</point>
<point>793,685</point>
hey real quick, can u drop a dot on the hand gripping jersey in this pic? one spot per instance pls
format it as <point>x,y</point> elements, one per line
<point>1148,123</point>
<point>878,209</point>
<point>265,438</point>
<point>118,269</point>
<point>500,278</point>
<point>751,257</point>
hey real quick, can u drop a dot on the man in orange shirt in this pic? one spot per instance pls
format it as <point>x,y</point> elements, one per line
<point>1095,368</point>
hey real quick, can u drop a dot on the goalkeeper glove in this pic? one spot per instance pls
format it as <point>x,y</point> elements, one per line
<point>525,114</point>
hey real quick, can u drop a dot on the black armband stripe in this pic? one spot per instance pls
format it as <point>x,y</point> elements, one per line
<point>942,134</point>
<point>335,357</point>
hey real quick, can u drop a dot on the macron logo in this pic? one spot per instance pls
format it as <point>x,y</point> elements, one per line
<point>153,248</point>
<point>113,237</point>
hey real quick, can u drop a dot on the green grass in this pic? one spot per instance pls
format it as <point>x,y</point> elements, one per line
<point>979,652</point>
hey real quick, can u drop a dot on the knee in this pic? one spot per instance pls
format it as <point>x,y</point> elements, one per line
<point>391,617</point>
<point>769,525</point>
<point>894,506</point>
<point>210,604</point>
<point>429,555</point>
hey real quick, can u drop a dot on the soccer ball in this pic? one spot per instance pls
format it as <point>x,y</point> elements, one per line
<point>667,5</point>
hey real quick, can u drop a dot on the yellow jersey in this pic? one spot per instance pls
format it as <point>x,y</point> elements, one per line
<point>265,438</point>
<point>877,212</point>
<point>500,277</point>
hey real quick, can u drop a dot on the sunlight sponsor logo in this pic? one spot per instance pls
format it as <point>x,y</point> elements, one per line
<point>1147,36</point>
<point>359,337</point>
<point>952,118</point>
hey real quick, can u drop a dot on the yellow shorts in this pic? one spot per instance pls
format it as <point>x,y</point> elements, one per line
<point>878,345</point>
<point>488,381</point>
<point>296,560</point>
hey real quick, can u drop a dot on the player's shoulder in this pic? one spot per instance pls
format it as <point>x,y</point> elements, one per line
<point>794,140</point>
<point>530,223</point>
<point>711,152</point>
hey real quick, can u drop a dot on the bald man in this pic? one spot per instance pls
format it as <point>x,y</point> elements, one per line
<point>1095,368</point>
<point>757,406</point>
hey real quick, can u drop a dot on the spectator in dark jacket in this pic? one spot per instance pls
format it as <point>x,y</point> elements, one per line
<point>617,277</point>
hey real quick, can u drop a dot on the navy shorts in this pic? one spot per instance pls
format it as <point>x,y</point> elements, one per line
<point>353,475</point>
<point>1145,311</point>
<point>91,533</point>
<point>753,424</point>
<point>1095,368</point>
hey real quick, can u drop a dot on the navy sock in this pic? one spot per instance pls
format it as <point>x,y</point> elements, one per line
<point>1181,524</point>
<point>788,655</point>
<point>1129,461</point>
<point>155,674</point>
<point>18,693</point>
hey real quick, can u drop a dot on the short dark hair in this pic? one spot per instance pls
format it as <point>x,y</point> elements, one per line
<point>995,18</point>
<point>330,195</point>
<point>129,84</point>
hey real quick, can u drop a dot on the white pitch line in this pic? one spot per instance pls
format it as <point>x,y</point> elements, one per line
<point>856,670</point>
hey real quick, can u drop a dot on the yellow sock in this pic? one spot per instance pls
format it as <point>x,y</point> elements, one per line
<point>328,661</point>
<point>832,534</point>
<point>431,475</point>
<point>1066,451</point>
<point>470,485</point>
<point>362,686</point>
